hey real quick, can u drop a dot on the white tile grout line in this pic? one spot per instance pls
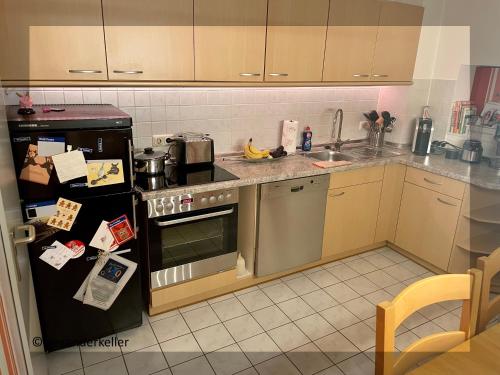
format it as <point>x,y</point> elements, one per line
<point>275,304</point>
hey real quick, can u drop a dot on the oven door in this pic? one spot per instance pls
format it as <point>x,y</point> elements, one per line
<point>193,244</point>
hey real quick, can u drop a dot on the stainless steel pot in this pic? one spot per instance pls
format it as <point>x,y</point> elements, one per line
<point>150,162</point>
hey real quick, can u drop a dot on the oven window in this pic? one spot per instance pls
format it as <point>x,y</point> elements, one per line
<point>194,241</point>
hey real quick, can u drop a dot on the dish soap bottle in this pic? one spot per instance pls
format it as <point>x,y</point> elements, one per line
<point>307,139</point>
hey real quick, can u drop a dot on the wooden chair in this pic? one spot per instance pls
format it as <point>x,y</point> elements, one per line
<point>416,296</point>
<point>490,266</point>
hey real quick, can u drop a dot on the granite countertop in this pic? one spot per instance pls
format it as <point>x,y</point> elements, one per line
<point>297,166</point>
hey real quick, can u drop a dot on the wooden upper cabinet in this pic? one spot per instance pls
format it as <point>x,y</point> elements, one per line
<point>56,40</point>
<point>350,41</point>
<point>230,39</point>
<point>149,39</point>
<point>296,35</point>
<point>397,42</point>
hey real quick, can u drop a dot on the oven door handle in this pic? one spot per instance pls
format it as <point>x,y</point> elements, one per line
<point>168,223</point>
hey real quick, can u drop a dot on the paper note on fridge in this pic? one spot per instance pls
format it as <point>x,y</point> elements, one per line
<point>104,172</point>
<point>49,146</point>
<point>103,239</point>
<point>70,165</point>
<point>36,168</point>
<point>65,216</point>
<point>57,255</point>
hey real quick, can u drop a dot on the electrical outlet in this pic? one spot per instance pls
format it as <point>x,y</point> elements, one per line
<point>161,140</point>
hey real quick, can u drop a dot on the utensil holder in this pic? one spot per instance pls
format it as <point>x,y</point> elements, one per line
<point>376,138</point>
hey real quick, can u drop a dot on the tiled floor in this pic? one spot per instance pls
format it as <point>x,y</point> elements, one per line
<point>320,321</point>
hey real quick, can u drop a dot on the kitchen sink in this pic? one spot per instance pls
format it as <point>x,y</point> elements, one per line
<point>329,155</point>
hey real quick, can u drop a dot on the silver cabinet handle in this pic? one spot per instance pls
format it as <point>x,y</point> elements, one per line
<point>168,223</point>
<point>380,75</point>
<point>84,71</point>
<point>432,182</point>
<point>339,194</point>
<point>19,241</point>
<point>445,202</point>
<point>278,74</point>
<point>128,71</point>
<point>361,75</point>
<point>250,74</point>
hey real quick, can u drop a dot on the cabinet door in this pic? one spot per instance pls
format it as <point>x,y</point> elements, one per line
<point>149,39</point>
<point>351,218</point>
<point>56,40</point>
<point>230,40</point>
<point>427,224</point>
<point>350,41</point>
<point>296,35</point>
<point>397,42</point>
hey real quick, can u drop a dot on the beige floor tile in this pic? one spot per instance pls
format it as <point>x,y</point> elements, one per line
<point>170,328</point>
<point>278,365</point>
<point>115,366</point>
<point>393,255</point>
<point>198,366</point>
<point>302,285</point>
<point>164,315</point>
<point>193,306</point>
<point>270,317</point>
<point>64,360</point>
<point>292,276</point>
<point>343,272</point>
<point>395,289</point>
<point>361,307</point>
<point>138,338</point>
<point>279,292</point>
<point>357,365</point>
<point>229,309</point>
<point>98,351</point>
<point>379,296</point>
<point>221,298</point>
<point>323,278</point>
<point>379,261</point>
<point>361,266</point>
<point>228,360</point>
<point>433,311</point>
<point>341,292</point>
<point>312,270</point>
<point>246,290</point>
<point>296,308</point>
<point>213,338</point>
<point>427,329</point>
<point>181,349</point>
<point>248,371</point>
<point>448,322</point>
<point>145,361</point>
<point>361,335</point>
<point>255,300</point>
<point>399,272</point>
<point>339,317</point>
<point>334,370</point>
<point>381,279</point>
<point>361,285</point>
<point>319,300</point>
<point>309,359</point>
<point>337,347</point>
<point>243,327</point>
<point>200,318</point>
<point>314,326</point>
<point>403,340</point>
<point>288,337</point>
<point>414,320</point>
<point>417,269</point>
<point>259,348</point>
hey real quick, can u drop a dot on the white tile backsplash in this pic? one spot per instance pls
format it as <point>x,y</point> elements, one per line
<point>230,115</point>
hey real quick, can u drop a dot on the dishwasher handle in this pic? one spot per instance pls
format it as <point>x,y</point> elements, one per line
<point>296,189</point>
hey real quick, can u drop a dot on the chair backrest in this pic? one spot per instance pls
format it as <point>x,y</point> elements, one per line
<point>490,266</point>
<point>422,293</point>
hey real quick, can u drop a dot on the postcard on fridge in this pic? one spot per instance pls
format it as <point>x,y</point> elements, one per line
<point>104,172</point>
<point>103,239</point>
<point>121,229</point>
<point>57,255</point>
<point>70,165</point>
<point>65,216</point>
<point>36,168</point>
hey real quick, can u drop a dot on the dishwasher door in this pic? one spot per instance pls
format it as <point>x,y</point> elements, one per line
<point>291,221</point>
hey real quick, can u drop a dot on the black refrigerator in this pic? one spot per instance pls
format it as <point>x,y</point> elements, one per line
<point>101,132</point>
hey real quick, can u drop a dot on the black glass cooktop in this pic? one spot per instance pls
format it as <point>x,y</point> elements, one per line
<point>176,176</point>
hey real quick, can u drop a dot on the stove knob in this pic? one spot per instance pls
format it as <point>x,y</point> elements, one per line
<point>229,196</point>
<point>169,206</point>
<point>204,200</point>
<point>212,199</point>
<point>220,197</point>
<point>159,207</point>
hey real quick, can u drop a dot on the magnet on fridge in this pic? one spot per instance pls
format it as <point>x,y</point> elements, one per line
<point>77,247</point>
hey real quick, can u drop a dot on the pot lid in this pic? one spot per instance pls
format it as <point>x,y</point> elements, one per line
<point>150,154</point>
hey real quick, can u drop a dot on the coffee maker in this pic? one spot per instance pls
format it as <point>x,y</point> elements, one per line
<point>422,138</point>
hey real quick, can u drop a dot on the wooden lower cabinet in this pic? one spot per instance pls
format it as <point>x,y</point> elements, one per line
<point>427,224</point>
<point>351,217</point>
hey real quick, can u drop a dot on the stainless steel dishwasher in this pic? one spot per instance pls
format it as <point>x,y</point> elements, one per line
<point>291,221</point>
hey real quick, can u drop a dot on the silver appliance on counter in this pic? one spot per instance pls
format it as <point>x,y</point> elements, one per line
<point>190,236</point>
<point>291,223</point>
<point>192,149</point>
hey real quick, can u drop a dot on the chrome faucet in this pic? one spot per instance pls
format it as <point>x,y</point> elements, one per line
<point>339,115</point>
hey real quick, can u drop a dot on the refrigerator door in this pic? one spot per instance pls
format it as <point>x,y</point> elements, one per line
<point>65,321</point>
<point>108,144</point>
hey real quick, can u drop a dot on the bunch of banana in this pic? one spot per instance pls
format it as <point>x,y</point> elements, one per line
<point>252,152</point>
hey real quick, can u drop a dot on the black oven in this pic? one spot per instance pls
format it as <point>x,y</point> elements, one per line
<point>191,236</point>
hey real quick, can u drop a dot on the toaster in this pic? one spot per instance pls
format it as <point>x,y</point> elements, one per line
<point>193,149</point>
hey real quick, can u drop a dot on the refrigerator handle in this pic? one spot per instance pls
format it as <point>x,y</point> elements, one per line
<point>20,241</point>
<point>131,162</point>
